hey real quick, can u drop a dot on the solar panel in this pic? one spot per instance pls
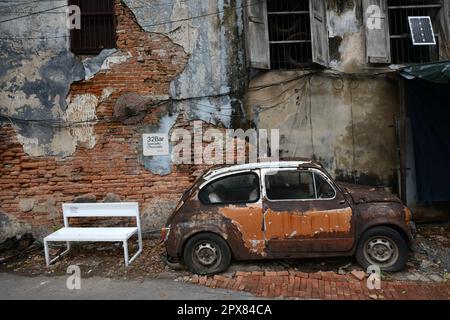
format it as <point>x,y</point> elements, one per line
<point>422,31</point>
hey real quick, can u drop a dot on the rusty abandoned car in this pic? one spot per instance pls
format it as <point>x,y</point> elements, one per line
<point>281,210</point>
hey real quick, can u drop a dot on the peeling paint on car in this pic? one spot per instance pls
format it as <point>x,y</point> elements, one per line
<point>280,229</point>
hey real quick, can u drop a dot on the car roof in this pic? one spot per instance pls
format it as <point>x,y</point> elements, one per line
<point>305,163</point>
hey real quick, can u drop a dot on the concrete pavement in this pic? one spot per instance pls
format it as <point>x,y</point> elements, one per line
<point>42,287</point>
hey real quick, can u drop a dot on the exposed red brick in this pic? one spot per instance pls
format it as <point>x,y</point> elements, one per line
<point>299,286</point>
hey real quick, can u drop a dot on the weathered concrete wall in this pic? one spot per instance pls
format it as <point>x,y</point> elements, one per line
<point>35,75</point>
<point>346,35</point>
<point>343,117</point>
<point>216,69</point>
<point>346,123</point>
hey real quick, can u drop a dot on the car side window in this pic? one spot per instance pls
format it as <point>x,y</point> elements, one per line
<point>290,185</point>
<point>324,190</point>
<point>238,188</point>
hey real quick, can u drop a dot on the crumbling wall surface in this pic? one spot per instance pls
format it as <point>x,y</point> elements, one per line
<point>211,32</point>
<point>35,75</point>
<point>39,69</point>
<point>346,35</point>
<point>345,122</point>
<point>85,145</point>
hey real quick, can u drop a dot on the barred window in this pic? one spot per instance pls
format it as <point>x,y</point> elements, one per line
<point>402,48</point>
<point>286,34</point>
<point>289,34</point>
<point>98,27</point>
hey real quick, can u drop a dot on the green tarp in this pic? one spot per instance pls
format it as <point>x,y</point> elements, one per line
<point>438,72</point>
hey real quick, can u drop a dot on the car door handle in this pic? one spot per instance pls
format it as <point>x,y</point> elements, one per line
<point>342,202</point>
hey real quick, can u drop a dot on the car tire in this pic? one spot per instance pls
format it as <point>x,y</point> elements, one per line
<point>383,247</point>
<point>207,254</point>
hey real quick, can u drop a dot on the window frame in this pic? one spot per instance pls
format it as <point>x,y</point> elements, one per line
<point>407,36</point>
<point>257,40</point>
<point>311,170</point>
<point>88,51</point>
<point>226,175</point>
<point>273,44</point>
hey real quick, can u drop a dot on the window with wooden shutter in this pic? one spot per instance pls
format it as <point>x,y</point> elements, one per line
<point>319,32</point>
<point>376,21</point>
<point>289,33</point>
<point>98,27</point>
<point>256,30</point>
<point>286,34</point>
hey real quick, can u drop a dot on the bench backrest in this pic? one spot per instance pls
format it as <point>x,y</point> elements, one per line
<point>113,209</point>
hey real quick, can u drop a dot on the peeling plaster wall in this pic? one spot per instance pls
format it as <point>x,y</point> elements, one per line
<point>347,124</point>
<point>346,35</point>
<point>214,43</point>
<point>64,156</point>
<point>35,77</point>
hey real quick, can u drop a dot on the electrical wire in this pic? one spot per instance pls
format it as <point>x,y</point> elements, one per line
<point>147,25</point>
<point>197,106</point>
<point>31,14</point>
<point>159,4</point>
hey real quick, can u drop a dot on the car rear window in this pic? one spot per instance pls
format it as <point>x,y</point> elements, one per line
<point>238,188</point>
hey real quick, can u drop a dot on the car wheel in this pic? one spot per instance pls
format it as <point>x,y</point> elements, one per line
<point>207,254</point>
<point>383,247</point>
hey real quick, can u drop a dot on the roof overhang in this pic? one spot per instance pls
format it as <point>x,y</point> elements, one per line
<point>438,72</point>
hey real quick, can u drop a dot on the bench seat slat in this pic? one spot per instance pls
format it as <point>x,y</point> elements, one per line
<point>122,209</point>
<point>92,234</point>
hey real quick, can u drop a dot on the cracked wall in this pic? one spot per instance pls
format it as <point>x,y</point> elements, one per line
<point>343,116</point>
<point>215,71</point>
<point>78,145</point>
<point>35,77</point>
<point>346,123</point>
<point>346,36</point>
<point>38,75</point>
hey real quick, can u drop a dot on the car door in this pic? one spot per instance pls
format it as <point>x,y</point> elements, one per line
<point>304,213</point>
<point>237,197</point>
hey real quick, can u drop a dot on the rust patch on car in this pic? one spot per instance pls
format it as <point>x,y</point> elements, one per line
<point>408,215</point>
<point>248,220</point>
<point>307,224</point>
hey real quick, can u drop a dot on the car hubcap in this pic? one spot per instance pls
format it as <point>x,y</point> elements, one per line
<point>206,253</point>
<point>381,250</point>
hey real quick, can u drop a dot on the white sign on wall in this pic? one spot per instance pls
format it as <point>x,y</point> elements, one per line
<point>155,144</point>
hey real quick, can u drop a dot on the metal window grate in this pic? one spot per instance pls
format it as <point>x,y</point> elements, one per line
<point>289,33</point>
<point>402,47</point>
<point>98,27</point>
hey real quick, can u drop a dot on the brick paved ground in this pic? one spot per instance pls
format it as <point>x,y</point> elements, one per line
<point>323,285</point>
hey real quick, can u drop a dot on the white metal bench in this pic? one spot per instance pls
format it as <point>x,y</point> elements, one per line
<point>104,234</point>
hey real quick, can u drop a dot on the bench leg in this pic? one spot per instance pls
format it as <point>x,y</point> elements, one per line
<point>139,250</point>
<point>125,252</point>
<point>47,254</point>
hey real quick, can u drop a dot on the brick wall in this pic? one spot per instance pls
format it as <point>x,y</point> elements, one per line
<point>32,189</point>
